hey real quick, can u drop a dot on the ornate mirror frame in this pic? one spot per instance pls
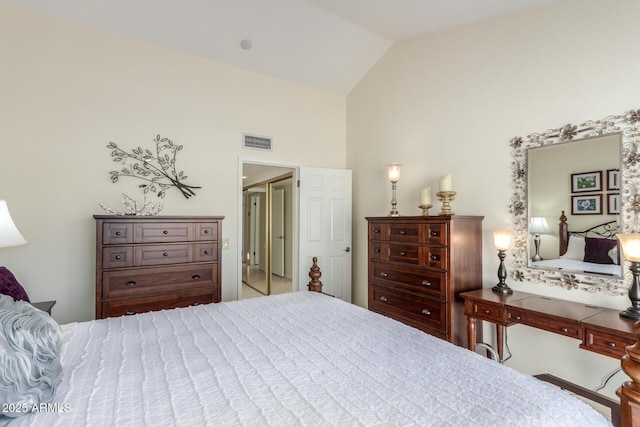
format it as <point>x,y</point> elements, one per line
<point>628,125</point>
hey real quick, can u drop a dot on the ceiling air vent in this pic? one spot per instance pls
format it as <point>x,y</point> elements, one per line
<point>256,142</point>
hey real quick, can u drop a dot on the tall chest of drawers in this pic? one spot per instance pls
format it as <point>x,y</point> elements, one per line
<point>419,265</point>
<point>150,263</point>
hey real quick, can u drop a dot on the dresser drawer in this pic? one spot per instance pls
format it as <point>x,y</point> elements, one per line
<point>160,302</point>
<point>153,232</point>
<point>404,232</point>
<point>486,311</point>
<point>378,251</point>
<point>163,254</point>
<point>206,252</point>
<point>117,257</point>
<point>436,233</point>
<point>408,254</point>
<point>414,279</point>
<point>206,231</point>
<point>117,233</point>
<point>408,308</point>
<point>608,343</point>
<point>434,257</point>
<point>562,326</point>
<point>150,281</point>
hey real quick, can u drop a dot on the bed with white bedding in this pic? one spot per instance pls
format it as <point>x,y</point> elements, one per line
<point>302,358</point>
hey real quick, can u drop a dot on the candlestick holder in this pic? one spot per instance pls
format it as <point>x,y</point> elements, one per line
<point>425,209</point>
<point>446,197</point>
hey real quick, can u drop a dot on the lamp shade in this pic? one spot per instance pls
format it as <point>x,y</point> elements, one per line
<point>9,234</point>
<point>393,172</point>
<point>502,239</point>
<point>539,225</point>
<point>630,246</point>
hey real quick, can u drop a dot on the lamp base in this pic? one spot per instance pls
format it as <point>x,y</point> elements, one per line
<point>631,313</point>
<point>502,289</point>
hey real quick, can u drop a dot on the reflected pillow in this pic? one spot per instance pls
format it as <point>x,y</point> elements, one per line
<point>575,248</point>
<point>10,286</point>
<point>30,370</point>
<point>597,250</point>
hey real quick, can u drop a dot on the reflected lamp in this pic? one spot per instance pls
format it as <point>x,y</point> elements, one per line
<point>631,249</point>
<point>537,227</point>
<point>9,234</point>
<point>502,240</point>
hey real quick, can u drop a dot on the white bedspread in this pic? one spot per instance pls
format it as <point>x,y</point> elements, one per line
<point>572,265</point>
<point>289,360</point>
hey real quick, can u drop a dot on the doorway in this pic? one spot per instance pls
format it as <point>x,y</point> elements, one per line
<point>267,225</point>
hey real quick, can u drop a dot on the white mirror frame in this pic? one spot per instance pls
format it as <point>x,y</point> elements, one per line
<point>628,125</point>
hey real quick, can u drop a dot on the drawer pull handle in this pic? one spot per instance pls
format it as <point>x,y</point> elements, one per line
<point>402,232</point>
<point>376,230</point>
<point>517,317</point>
<point>565,330</point>
<point>376,250</point>
<point>426,283</point>
<point>118,233</point>
<point>206,252</point>
<point>434,234</point>
<point>129,312</point>
<point>165,232</point>
<point>196,277</point>
<point>434,257</point>
<point>611,344</point>
<point>383,274</point>
<point>426,311</point>
<point>195,303</point>
<point>384,299</point>
<point>118,257</point>
<point>130,283</point>
<point>206,231</point>
<point>487,312</point>
<point>403,253</point>
<point>165,254</point>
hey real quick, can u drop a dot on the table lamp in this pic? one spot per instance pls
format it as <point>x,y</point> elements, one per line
<point>502,240</point>
<point>631,248</point>
<point>393,173</point>
<point>9,234</point>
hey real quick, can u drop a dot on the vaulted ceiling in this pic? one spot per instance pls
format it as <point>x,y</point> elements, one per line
<point>323,44</point>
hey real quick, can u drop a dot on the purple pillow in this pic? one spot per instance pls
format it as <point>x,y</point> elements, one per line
<point>597,250</point>
<point>10,286</point>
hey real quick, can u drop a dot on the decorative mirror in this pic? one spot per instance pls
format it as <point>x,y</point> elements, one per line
<point>609,193</point>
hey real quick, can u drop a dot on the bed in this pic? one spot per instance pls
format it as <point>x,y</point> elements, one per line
<point>303,358</point>
<point>593,251</point>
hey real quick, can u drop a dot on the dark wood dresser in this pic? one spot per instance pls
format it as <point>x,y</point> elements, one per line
<point>147,263</point>
<point>419,265</point>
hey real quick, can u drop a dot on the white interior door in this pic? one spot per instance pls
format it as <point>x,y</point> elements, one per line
<point>325,229</point>
<point>277,232</point>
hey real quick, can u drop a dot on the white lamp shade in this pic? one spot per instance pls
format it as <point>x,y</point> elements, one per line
<point>630,246</point>
<point>539,225</point>
<point>502,239</point>
<point>9,234</point>
<point>393,172</point>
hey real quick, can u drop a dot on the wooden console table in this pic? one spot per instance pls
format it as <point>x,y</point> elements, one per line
<point>601,330</point>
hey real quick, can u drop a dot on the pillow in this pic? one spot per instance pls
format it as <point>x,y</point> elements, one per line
<point>614,255</point>
<point>30,370</point>
<point>10,286</point>
<point>575,248</point>
<point>597,250</point>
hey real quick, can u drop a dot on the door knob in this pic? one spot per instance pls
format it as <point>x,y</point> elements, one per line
<point>347,249</point>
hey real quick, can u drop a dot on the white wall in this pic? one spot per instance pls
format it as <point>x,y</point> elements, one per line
<point>67,91</point>
<point>451,102</point>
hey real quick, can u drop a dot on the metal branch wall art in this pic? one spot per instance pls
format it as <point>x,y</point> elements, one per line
<point>157,170</point>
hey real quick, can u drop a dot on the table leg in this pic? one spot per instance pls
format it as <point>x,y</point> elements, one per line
<point>471,333</point>
<point>500,340</point>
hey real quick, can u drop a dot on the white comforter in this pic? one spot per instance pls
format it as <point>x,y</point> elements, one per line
<point>289,360</point>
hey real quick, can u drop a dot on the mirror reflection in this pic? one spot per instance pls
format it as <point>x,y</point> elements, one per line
<point>574,206</point>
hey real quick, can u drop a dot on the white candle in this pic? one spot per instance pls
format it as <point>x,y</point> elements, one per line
<point>445,183</point>
<point>425,196</point>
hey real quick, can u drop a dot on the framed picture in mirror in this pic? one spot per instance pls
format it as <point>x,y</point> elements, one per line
<point>586,182</point>
<point>613,179</point>
<point>588,204</point>
<point>613,204</point>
